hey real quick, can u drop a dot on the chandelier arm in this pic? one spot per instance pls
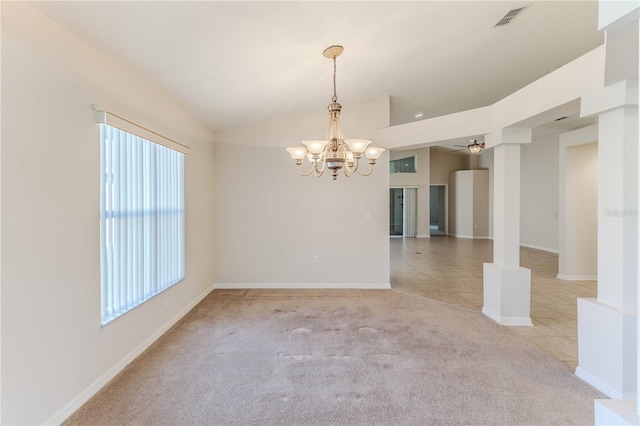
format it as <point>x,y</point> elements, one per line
<point>343,153</point>
<point>318,171</point>
<point>369,172</point>
<point>349,171</point>
<point>307,173</point>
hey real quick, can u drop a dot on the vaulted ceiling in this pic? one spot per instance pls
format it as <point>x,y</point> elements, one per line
<point>233,63</point>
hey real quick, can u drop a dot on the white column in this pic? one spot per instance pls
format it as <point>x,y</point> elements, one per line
<point>608,325</point>
<point>507,286</point>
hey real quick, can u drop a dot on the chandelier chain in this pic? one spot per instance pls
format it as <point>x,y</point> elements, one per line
<point>335,96</point>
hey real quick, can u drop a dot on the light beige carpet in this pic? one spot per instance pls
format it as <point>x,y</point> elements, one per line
<point>352,357</point>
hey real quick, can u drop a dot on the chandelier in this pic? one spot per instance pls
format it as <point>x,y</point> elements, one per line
<point>335,152</point>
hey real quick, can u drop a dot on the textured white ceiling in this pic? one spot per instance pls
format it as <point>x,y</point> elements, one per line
<point>233,63</point>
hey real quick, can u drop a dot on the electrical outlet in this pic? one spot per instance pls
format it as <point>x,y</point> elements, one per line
<point>367,216</point>
<point>166,304</point>
<point>315,258</point>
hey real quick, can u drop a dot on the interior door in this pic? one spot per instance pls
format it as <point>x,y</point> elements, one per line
<point>437,210</point>
<point>396,211</point>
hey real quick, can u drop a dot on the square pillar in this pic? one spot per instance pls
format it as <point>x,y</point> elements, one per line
<point>507,294</point>
<point>507,286</point>
<point>607,326</point>
<point>606,348</point>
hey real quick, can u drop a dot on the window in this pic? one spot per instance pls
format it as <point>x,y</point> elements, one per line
<point>403,165</point>
<point>141,220</point>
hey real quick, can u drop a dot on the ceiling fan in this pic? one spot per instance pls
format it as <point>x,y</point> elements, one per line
<point>474,147</point>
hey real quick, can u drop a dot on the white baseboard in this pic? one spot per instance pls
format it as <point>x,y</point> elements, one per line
<point>547,249</point>
<point>610,412</point>
<point>423,236</point>
<point>602,386</point>
<point>565,277</point>
<point>372,286</point>
<point>510,321</point>
<point>98,384</point>
<point>469,237</point>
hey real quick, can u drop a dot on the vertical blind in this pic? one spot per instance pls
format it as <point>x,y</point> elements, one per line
<point>141,220</point>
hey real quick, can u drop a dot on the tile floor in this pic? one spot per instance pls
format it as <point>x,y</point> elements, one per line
<point>450,270</point>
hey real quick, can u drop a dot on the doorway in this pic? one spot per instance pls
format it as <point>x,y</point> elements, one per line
<point>403,212</point>
<point>438,210</point>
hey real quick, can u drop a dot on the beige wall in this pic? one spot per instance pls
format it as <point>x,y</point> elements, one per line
<point>539,193</point>
<point>54,351</point>
<point>578,204</point>
<point>581,205</point>
<point>270,222</point>
<point>442,164</point>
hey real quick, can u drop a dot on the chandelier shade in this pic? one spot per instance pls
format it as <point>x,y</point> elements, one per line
<point>358,146</point>
<point>335,152</point>
<point>475,147</point>
<point>315,147</point>
<point>297,152</point>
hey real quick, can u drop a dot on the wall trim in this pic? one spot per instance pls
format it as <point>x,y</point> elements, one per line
<point>470,237</point>
<point>73,405</point>
<point>603,387</point>
<point>509,321</point>
<point>616,412</point>
<point>466,237</point>
<point>423,236</point>
<point>373,286</point>
<point>565,277</point>
<point>547,249</point>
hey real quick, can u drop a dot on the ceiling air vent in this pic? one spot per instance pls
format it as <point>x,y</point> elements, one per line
<point>508,17</point>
